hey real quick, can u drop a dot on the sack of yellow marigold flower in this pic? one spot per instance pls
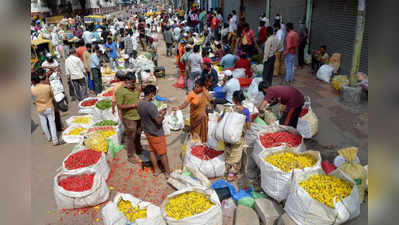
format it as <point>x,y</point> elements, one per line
<point>319,199</point>
<point>279,166</point>
<point>109,132</point>
<point>126,209</point>
<point>83,120</point>
<point>275,129</point>
<point>353,169</point>
<point>74,134</point>
<point>192,206</point>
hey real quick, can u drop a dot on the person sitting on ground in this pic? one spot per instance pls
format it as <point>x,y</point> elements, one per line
<point>233,152</point>
<point>244,63</point>
<point>363,81</point>
<point>219,52</point>
<point>319,58</point>
<point>152,125</point>
<point>212,74</point>
<point>229,60</point>
<point>230,85</point>
<point>205,55</point>
<point>290,98</point>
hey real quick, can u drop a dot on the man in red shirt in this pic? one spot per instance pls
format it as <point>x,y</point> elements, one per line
<point>262,35</point>
<point>215,26</point>
<point>243,62</point>
<point>291,43</point>
<point>81,49</point>
<point>290,98</point>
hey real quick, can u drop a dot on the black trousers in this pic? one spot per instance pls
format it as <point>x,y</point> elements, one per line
<point>97,81</point>
<point>268,68</point>
<point>301,54</point>
<point>290,116</point>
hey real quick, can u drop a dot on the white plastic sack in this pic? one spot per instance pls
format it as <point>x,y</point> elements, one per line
<point>70,120</point>
<point>315,212</point>
<point>210,168</point>
<point>212,122</point>
<point>252,134</point>
<point>258,147</point>
<point>73,139</point>
<point>275,182</point>
<point>367,179</point>
<point>147,77</point>
<point>257,68</point>
<point>250,106</point>
<point>106,114</point>
<point>212,216</point>
<point>100,167</point>
<point>166,127</point>
<point>308,124</point>
<point>180,181</point>
<point>229,129</point>
<point>112,216</point>
<point>239,73</point>
<point>324,73</point>
<point>339,160</point>
<point>88,109</point>
<point>175,120</point>
<point>253,88</point>
<point>97,194</point>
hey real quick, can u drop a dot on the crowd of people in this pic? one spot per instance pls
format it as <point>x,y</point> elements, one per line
<point>201,40</point>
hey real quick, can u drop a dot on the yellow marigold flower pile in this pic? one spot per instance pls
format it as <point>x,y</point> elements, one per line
<point>130,212</point>
<point>288,160</point>
<point>107,133</point>
<point>76,131</point>
<point>187,204</point>
<point>83,120</point>
<point>324,188</point>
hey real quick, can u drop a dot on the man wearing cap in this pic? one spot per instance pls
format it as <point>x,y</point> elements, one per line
<point>230,85</point>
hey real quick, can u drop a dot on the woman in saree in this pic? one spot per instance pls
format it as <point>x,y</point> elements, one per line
<point>181,65</point>
<point>198,100</point>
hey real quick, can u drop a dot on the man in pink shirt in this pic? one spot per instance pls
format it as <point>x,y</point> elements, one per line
<point>291,43</point>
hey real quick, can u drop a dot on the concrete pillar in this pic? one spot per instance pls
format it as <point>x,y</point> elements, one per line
<point>308,22</point>
<point>267,11</point>
<point>357,46</point>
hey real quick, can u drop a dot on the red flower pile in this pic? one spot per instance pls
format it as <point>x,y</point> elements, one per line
<point>205,153</point>
<point>276,139</point>
<point>77,183</point>
<point>90,102</point>
<point>109,93</point>
<point>82,159</point>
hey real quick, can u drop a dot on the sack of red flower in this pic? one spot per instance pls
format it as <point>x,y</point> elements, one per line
<point>276,137</point>
<point>83,158</point>
<point>207,160</point>
<point>88,104</point>
<point>79,190</point>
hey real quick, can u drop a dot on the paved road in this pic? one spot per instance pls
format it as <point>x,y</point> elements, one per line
<point>334,128</point>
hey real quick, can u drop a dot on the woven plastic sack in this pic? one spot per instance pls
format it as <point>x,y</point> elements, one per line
<point>73,139</point>
<point>338,81</point>
<point>315,212</point>
<point>97,142</point>
<point>324,73</point>
<point>239,73</point>
<point>175,120</point>
<point>101,166</point>
<point>212,122</point>
<point>276,182</point>
<point>188,177</point>
<point>70,121</point>
<point>97,194</point>
<point>356,171</point>
<point>212,216</point>
<point>112,216</point>
<point>87,109</point>
<point>308,124</point>
<point>229,129</point>
<point>258,147</point>
<point>116,138</point>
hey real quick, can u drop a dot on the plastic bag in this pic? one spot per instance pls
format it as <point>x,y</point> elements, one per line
<point>229,129</point>
<point>236,195</point>
<point>353,169</point>
<point>212,122</point>
<point>97,194</point>
<point>308,124</point>
<point>212,216</point>
<point>247,201</point>
<point>276,182</point>
<point>97,142</point>
<point>188,177</point>
<point>175,120</point>
<point>250,106</point>
<point>253,88</point>
<point>325,72</point>
<point>112,216</point>
<point>100,167</point>
<point>239,73</point>
<point>315,212</point>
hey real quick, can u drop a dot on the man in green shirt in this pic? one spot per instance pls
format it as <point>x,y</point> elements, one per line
<point>127,97</point>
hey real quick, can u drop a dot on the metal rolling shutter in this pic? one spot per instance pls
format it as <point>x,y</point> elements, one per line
<point>253,9</point>
<point>333,24</point>
<point>230,5</point>
<point>291,10</point>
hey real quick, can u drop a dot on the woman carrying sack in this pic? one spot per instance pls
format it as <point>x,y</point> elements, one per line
<point>199,100</point>
<point>233,152</point>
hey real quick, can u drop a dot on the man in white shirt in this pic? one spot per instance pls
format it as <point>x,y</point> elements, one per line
<point>54,37</point>
<point>194,66</point>
<point>278,61</point>
<point>75,73</point>
<point>230,85</point>
<point>272,46</point>
<point>87,37</point>
<point>232,29</point>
